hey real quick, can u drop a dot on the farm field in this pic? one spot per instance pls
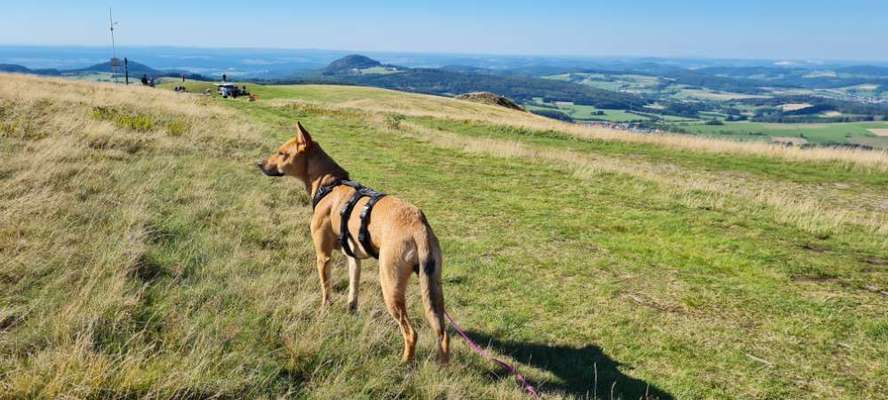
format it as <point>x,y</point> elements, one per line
<point>589,113</point>
<point>147,257</point>
<point>850,132</point>
<point>624,82</point>
<point>714,95</point>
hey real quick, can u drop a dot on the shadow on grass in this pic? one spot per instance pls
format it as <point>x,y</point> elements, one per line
<point>584,372</point>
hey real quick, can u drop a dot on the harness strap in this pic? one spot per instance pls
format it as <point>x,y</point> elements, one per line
<point>323,191</point>
<point>364,233</point>
<point>345,215</point>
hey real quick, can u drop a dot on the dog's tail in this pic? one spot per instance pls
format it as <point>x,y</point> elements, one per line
<point>432,293</point>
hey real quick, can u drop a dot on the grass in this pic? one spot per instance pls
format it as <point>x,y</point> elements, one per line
<point>850,132</point>
<point>137,121</point>
<point>765,167</point>
<point>590,113</point>
<point>139,263</point>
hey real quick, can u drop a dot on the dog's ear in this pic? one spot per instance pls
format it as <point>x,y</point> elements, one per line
<point>302,134</point>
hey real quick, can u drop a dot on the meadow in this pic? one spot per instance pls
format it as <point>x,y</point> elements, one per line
<point>824,134</point>
<point>580,112</point>
<point>142,254</point>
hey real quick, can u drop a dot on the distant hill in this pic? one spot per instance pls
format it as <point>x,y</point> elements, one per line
<point>135,70</point>
<point>20,69</point>
<point>867,70</point>
<point>455,81</point>
<point>350,64</point>
<point>14,68</point>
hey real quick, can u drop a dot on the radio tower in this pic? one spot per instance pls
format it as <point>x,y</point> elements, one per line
<point>114,61</point>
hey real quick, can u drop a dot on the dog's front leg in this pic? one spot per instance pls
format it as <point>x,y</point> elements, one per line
<point>323,262</point>
<point>354,282</point>
<point>323,243</point>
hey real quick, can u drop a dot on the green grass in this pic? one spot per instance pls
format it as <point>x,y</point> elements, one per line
<point>589,113</point>
<point>180,271</point>
<point>851,132</point>
<point>322,93</point>
<point>760,166</point>
<point>747,271</point>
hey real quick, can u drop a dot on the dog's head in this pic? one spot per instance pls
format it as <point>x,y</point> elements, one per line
<point>290,158</point>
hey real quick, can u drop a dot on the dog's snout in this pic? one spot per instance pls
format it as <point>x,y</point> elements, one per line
<point>267,170</point>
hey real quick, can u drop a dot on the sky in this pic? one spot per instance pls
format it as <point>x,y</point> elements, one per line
<point>774,29</point>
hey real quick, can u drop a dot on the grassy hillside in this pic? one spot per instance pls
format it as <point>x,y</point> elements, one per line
<point>143,255</point>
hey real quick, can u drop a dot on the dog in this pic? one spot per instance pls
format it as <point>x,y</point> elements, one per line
<point>398,233</point>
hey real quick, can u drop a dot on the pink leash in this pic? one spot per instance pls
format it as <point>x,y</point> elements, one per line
<point>508,367</point>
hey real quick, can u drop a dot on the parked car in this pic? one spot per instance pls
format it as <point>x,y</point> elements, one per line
<point>227,89</point>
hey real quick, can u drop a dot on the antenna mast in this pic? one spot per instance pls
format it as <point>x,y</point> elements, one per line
<point>114,60</point>
<point>113,46</point>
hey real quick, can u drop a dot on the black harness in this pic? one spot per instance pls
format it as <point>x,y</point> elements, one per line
<point>346,211</point>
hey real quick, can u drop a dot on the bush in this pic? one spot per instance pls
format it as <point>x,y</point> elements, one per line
<point>123,119</point>
<point>393,121</point>
<point>176,127</point>
<point>139,122</point>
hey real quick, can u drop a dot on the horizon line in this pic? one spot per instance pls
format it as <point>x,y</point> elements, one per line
<point>456,53</point>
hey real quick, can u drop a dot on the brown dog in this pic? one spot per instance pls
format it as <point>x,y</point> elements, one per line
<point>399,234</point>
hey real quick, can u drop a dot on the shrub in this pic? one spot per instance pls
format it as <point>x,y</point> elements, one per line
<point>176,127</point>
<point>123,119</point>
<point>393,121</point>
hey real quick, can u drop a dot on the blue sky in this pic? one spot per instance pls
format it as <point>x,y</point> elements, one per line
<point>851,29</point>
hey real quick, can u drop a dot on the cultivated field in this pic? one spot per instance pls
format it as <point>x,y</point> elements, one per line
<point>590,113</point>
<point>825,134</point>
<point>143,255</point>
<point>714,95</point>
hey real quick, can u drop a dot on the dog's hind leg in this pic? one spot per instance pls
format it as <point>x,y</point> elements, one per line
<point>431,291</point>
<point>354,282</point>
<point>393,279</point>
